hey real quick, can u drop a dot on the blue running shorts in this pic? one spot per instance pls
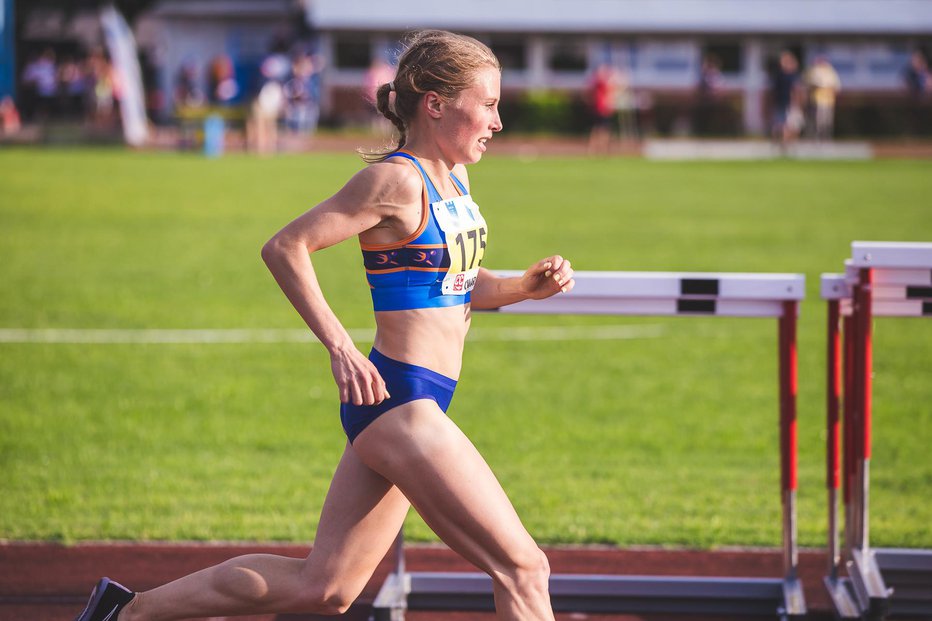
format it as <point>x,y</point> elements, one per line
<point>405,383</point>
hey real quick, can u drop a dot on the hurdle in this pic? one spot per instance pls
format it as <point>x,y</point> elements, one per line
<point>881,279</point>
<point>654,294</point>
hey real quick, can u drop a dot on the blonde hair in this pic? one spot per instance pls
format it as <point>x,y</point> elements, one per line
<point>433,60</point>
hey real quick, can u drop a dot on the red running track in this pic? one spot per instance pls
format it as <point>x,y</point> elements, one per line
<point>46,582</point>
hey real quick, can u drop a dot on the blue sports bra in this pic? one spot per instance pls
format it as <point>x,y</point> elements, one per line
<point>418,271</point>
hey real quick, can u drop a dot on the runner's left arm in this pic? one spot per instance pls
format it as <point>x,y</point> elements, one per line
<point>545,278</point>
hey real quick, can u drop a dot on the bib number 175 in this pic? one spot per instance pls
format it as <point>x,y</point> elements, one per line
<point>471,247</point>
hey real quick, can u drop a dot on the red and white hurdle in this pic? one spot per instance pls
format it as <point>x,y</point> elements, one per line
<point>655,294</point>
<point>881,279</point>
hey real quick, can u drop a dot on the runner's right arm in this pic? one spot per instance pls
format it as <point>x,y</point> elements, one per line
<point>352,210</point>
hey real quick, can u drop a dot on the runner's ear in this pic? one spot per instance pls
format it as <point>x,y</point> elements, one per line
<point>433,104</point>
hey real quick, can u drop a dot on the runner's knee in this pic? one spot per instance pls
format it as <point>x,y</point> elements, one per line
<point>326,600</point>
<point>528,573</point>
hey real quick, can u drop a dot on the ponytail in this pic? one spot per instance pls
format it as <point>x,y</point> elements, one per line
<point>384,107</point>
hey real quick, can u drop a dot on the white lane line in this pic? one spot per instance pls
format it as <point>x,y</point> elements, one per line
<point>364,335</point>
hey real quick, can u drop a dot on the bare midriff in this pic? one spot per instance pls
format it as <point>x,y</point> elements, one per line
<point>428,337</point>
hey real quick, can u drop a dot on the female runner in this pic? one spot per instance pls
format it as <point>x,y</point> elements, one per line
<point>422,239</point>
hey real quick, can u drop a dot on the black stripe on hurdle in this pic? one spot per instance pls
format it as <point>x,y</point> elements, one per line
<point>927,308</point>
<point>706,307</point>
<point>699,286</point>
<point>914,292</point>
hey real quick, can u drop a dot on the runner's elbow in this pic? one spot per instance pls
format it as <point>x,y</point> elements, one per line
<point>281,245</point>
<point>271,250</point>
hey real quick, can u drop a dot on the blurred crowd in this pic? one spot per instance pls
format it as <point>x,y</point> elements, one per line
<point>289,94</point>
<point>281,97</point>
<point>71,87</point>
<point>799,101</point>
<point>804,100</point>
<point>284,92</point>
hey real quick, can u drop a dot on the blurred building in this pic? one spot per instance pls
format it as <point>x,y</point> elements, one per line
<point>660,44</point>
<point>544,45</point>
<point>190,33</point>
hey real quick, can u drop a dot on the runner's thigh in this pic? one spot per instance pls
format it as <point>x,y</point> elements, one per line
<point>361,517</point>
<point>424,453</point>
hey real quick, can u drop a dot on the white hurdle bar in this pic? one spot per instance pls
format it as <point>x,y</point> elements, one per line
<point>663,294</point>
<point>882,279</point>
<point>670,293</point>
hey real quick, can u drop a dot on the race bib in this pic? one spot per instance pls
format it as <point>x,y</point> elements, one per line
<point>465,233</point>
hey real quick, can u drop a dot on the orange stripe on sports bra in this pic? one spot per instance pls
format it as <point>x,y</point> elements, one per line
<point>407,268</point>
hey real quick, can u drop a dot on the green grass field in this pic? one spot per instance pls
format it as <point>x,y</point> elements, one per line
<point>669,437</point>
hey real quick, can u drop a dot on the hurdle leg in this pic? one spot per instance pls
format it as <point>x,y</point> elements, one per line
<point>832,438</point>
<point>392,600</point>
<point>856,413</point>
<point>788,472</point>
<point>848,455</point>
<point>839,588</point>
<point>864,389</point>
<point>794,599</point>
<point>872,593</point>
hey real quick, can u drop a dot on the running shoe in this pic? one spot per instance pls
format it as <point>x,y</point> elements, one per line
<point>107,600</point>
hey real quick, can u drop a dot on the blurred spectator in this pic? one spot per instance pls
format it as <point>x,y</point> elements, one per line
<point>101,89</point>
<point>823,83</point>
<point>626,106</point>
<point>787,100</point>
<point>917,78</point>
<point>708,90</point>
<point>41,78</point>
<point>72,87</point>
<point>150,68</point>
<point>222,88</point>
<point>302,94</point>
<point>602,89</point>
<point>9,117</point>
<point>918,85</point>
<point>276,66</point>
<point>262,130</point>
<point>187,93</point>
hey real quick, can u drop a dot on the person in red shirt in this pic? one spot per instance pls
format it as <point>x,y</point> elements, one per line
<point>602,107</point>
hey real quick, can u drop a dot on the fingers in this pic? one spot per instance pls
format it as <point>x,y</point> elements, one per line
<point>368,388</point>
<point>373,388</point>
<point>561,271</point>
<point>356,393</point>
<point>380,389</point>
<point>358,381</point>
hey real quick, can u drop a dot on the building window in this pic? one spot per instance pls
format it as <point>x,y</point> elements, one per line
<point>352,52</point>
<point>511,54</point>
<point>667,60</point>
<point>726,55</point>
<point>567,55</point>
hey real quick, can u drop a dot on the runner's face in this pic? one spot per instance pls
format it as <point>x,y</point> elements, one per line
<point>470,120</point>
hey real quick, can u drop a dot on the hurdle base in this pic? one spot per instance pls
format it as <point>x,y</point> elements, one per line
<point>841,592</point>
<point>909,573</point>
<point>598,594</point>
<point>872,595</point>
